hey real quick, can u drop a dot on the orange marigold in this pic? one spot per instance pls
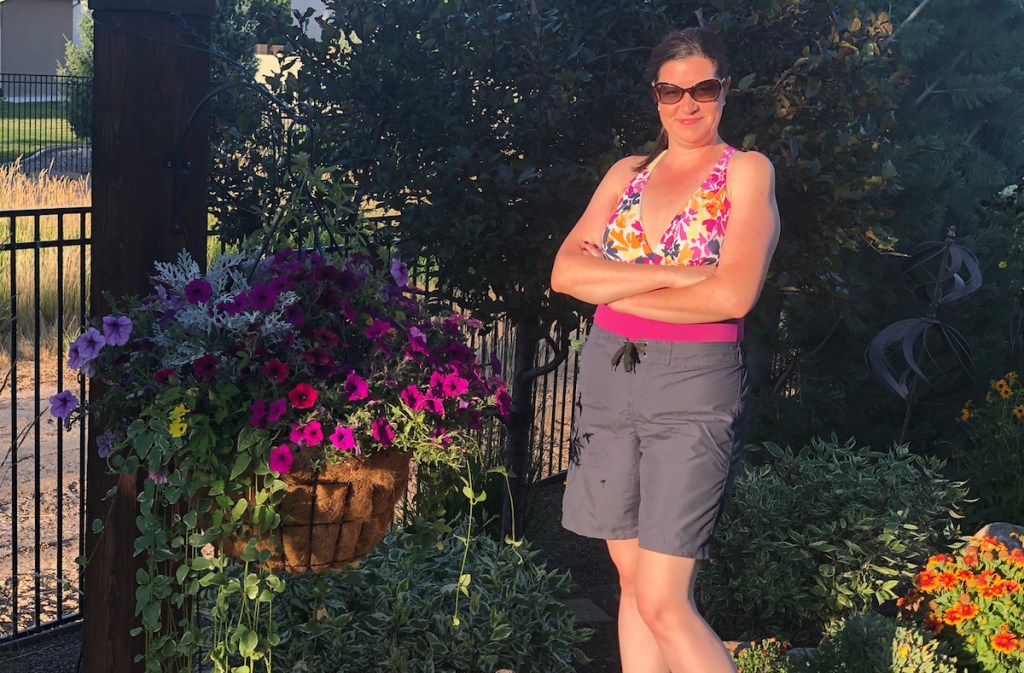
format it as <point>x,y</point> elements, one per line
<point>953,615</point>
<point>965,575</point>
<point>947,580</point>
<point>927,580</point>
<point>969,610</point>
<point>1004,641</point>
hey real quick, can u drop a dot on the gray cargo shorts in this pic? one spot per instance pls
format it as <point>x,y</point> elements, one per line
<point>656,442</point>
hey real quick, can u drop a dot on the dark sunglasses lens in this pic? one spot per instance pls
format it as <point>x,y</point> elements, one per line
<point>668,94</point>
<point>707,91</point>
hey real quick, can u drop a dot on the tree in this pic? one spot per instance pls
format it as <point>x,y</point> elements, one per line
<point>78,63</point>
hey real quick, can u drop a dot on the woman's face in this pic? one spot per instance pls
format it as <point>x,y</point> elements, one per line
<point>690,124</point>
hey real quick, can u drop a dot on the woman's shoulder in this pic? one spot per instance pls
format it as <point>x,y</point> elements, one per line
<point>622,172</point>
<point>750,163</point>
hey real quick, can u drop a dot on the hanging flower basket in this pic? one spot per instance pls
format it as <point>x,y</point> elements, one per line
<point>335,515</point>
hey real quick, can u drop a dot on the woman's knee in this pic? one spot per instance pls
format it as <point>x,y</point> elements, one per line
<point>662,610</point>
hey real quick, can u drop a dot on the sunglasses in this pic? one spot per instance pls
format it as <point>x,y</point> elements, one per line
<point>703,92</point>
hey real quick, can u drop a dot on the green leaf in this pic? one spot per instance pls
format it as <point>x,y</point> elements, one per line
<point>240,466</point>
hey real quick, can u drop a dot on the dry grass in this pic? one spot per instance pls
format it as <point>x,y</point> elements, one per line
<point>47,279</point>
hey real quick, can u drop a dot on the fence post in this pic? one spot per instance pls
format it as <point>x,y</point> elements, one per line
<point>149,202</point>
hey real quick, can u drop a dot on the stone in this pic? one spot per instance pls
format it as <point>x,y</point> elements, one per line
<point>1009,534</point>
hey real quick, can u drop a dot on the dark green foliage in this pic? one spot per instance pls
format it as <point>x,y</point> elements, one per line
<point>394,613</point>
<point>78,62</point>
<point>871,643</point>
<point>821,533</point>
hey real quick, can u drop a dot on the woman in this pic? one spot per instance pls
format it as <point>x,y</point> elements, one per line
<point>662,412</point>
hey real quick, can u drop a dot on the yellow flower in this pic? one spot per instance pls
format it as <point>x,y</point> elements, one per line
<point>1005,393</point>
<point>1011,377</point>
<point>178,428</point>
<point>1002,264</point>
<point>179,412</point>
<point>1001,384</point>
<point>965,414</point>
<point>1018,411</point>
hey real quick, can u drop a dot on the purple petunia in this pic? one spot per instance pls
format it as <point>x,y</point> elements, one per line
<point>74,357</point>
<point>116,329</point>
<point>293,315</point>
<point>378,330</point>
<point>262,297</point>
<point>198,291</point>
<point>105,444</point>
<point>63,403</point>
<point>277,410</point>
<point>400,272</point>
<point>413,398</point>
<point>237,305</point>
<point>89,344</point>
<point>258,413</point>
<point>503,400</point>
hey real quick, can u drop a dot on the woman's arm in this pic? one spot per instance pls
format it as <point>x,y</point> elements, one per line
<point>582,271</point>
<point>750,239</point>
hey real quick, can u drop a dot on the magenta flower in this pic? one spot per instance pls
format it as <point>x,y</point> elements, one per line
<point>198,291</point>
<point>413,398</point>
<point>276,370</point>
<point>258,413</point>
<point>325,337</point>
<point>302,396</point>
<point>116,330</point>
<point>454,385</point>
<point>382,432</point>
<point>431,403</point>
<point>504,402</point>
<point>295,434</point>
<point>277,410</point>
<point>343,438</point>
<point>205,367</point>
<point>237,305</point>
<point>281,459</point>
<point>378,330</point>
<point>262,297</point>
<point>89,344</point>
<point>356,387</point>
<point>279,284</point>
<point>293,315</point>
<point>157,477</point>
<point>163,376</point>
<point>63,403</point>
<point>312,433</point>
<point>418,340</point>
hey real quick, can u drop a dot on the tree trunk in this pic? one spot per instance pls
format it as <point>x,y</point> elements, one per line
<point>517,443</point>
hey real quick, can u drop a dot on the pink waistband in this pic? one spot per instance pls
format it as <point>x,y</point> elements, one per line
<point>633,327</point>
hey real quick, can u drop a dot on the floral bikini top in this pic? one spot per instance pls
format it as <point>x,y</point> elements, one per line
<point>694,237</point>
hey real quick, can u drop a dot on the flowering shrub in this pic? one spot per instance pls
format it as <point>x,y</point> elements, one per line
<point>995,464</point>
<point>764,656</point>
<point>214,386</point>
<point>975,600</point>
<point>320,363</point>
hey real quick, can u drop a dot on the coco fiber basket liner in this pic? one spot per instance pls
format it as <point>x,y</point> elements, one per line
<point>337,515</point>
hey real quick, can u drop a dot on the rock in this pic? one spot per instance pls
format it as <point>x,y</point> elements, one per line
<point>1009,534</point>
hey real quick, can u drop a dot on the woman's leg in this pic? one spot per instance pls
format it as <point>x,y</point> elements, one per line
<point>638,650</point>
<point>663,592</point>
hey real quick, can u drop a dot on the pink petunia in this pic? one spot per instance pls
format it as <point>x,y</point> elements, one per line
<point>503,400</point>
<point>356,387</point>
<point>198,291</point>
<point>343,439</point>
<point>378,330</point>
<point>454,385</point>
<point>281,459</point>
<point>205,367</point>
<point>312,433</point>
<point>276,370</point>
<point>302,396</point>
<point>412,397</point>
<point>382,432</point>
<point>295,434</point>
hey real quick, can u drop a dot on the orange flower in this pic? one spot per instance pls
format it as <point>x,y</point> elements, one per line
<point>965,414</point>
<point>947,580</point>
<point>940,560</point>
<point>953,615</point>
<point>1016,557</point>
<point>1018,411</point>
<point>968,610</point>
<point>965,575</point>
<point>1005,393</point>
<point>1004,641</point>
<point>927,580</point>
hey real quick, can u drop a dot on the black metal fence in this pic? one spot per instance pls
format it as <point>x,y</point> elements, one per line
<point>44,277</point>
<point>46,121</point>
<point>44,286</point>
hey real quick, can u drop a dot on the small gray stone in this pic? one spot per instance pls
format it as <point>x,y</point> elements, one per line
<point>1009,534</point>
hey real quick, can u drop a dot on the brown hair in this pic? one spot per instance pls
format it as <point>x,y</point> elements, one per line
<point>677,45</point>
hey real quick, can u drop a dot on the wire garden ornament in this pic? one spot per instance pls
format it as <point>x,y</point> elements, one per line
<point>926,350</point>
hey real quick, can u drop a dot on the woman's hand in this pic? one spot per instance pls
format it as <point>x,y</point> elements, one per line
<point>591,249</point>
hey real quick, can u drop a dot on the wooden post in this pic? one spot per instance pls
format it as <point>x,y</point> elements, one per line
<point>149,202</point>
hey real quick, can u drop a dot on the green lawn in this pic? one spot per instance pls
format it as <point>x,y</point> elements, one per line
<point>26,128</point>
